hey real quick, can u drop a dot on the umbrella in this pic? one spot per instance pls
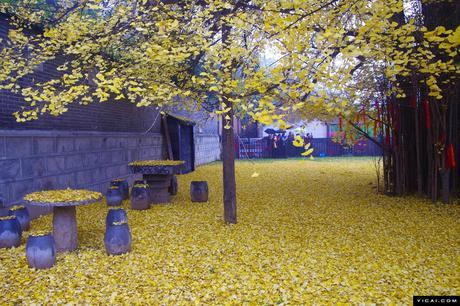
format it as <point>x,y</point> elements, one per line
<point>270,131</point>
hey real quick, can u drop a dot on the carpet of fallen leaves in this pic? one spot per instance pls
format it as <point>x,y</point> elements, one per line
<point>309,232</point>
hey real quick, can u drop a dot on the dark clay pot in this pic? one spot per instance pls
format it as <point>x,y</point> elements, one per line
<point>116,215</point>
<point>22,214</point>
<point>10,233</point>
<point>199,191</point>
<point>117,239</point>
<point>140,198</point>
<point>41,251</point>
<point>114,197</point>
<point>123,186</point>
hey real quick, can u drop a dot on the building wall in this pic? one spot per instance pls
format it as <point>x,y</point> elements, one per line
<point>207,148</point>
<point>315,127</point>
<point>40,160</point>
<point>86,147</point>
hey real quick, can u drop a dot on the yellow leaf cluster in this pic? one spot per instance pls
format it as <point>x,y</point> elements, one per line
<point>143,163</point>
<point>63,196</point>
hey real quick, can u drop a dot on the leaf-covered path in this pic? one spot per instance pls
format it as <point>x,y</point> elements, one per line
<point>309,232</point>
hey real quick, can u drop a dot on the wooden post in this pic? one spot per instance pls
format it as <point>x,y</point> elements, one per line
<point>179,139</point>
<point>167,136</point>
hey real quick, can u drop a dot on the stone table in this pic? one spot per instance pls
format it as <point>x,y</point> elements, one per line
<point>158,175</point>
<point>64,217</point>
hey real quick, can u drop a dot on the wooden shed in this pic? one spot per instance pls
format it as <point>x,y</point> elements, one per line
<point>180,140</point>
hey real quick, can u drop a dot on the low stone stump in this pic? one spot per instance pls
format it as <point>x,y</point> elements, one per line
<point>117,238</point>
<point>22,214</point>
<point>199,191</point>
<point>41,251</point>
<point>123,185</point>
<point>114,196</point>
<point>10,232</point>
<point>140,197</point>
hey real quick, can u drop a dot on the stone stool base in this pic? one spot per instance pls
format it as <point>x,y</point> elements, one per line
<point>173,188</point>
<point>65,228</point>
<point>159,186</point>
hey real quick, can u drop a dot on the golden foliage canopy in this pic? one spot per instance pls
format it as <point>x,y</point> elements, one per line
<point>329,54</point>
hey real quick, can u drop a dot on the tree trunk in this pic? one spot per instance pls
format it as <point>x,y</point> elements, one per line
<point>228,150</point>
<point>445,174</point>
<point>417,149</point>
<point>228,158</point>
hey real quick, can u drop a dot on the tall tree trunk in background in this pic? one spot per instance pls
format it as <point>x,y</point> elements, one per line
<point>228,158</point>
<point>416,105</point>
<point>447,14</point>
<point>228,153</point>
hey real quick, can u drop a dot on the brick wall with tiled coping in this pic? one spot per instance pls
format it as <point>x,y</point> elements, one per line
<point>39,160</point>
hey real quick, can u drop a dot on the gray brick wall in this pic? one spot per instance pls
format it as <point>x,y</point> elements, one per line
<point>40,160</point>
<point>207,148</point>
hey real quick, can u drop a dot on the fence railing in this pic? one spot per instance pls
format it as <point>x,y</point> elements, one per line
<point>322,147</point>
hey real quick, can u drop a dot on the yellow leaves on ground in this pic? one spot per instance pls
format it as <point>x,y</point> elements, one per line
<point>7,217</point>
<point>147,163</point>
<point>309,232</point>
<point>17,207</point>
<point>63,196</point>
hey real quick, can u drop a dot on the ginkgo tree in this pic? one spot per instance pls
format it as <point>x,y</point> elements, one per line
<point>178,53</point>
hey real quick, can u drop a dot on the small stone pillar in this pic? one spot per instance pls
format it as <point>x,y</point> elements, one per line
<point>173,187</point>
<point>65,228</point>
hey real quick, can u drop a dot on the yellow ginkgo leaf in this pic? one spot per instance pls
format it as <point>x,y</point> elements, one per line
<point>307,152</point>
<point>298,141</point>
